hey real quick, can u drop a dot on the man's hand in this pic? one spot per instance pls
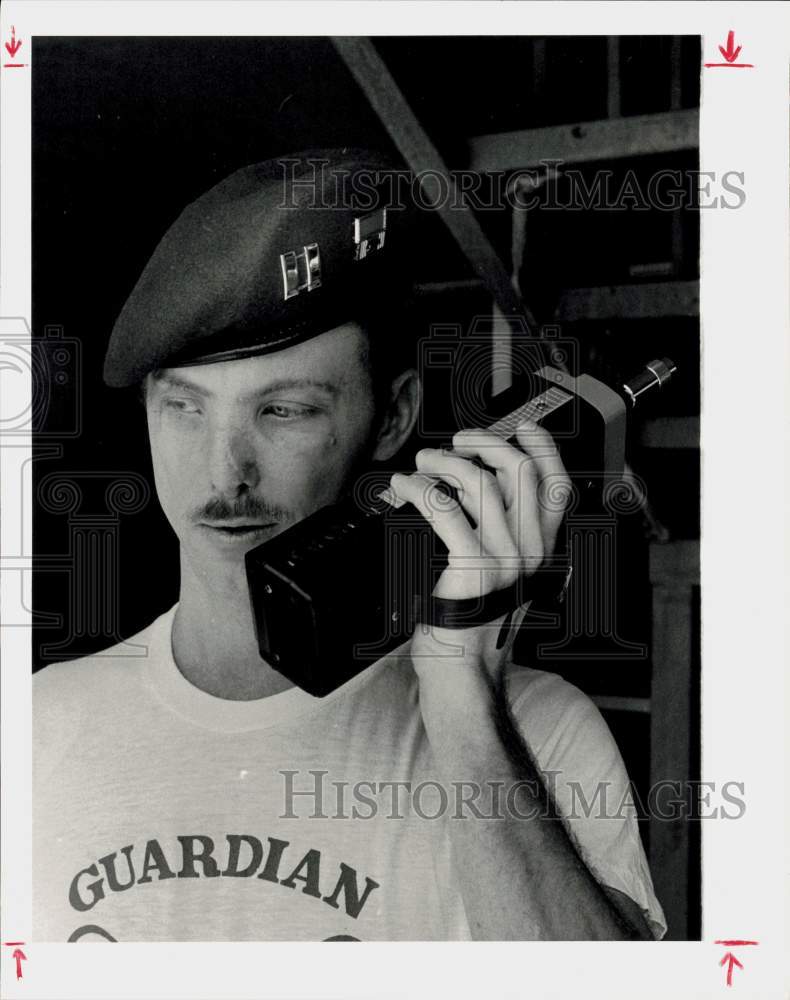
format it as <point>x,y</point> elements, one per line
<point>515,513</point>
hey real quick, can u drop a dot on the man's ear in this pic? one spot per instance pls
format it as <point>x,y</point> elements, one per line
<point>400,415</point>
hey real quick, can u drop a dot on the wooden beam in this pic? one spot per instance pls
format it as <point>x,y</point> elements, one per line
<point>675,72</point>
<point>674,569</point>
<point>620,703</point>
<point>585,142</point>
<point>670,432</point>
<point>648,300</point>
<point>638,301</point>
<point>446,287</point>
<point>539,77</point>
<point>613,74</point>
<point>676,561</point>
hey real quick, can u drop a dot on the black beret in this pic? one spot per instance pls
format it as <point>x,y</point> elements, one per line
<point>278,252</point>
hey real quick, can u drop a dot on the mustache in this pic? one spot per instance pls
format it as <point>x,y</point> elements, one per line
<point>242,508</point>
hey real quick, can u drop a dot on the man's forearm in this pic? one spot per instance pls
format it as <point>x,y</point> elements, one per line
<point>521,876</point>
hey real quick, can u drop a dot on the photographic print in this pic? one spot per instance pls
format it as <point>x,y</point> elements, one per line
<point>378,564</point>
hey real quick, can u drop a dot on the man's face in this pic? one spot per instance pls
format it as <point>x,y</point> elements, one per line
<point>243,449</point>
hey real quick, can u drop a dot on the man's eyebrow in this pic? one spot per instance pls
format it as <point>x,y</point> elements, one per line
<point>297,383</point>
<point>279,385</point>
<point>174,382</point>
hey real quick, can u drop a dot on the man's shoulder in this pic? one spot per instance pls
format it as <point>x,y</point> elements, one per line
<point>71,697</point>
<point>60,684</point>
<point>556,714</point>
<point>527,685</point>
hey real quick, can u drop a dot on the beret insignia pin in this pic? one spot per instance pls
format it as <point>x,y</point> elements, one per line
<point>301,270</point>
<point>369,233</point>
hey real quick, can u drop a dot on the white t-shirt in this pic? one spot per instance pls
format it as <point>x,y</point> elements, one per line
<point>162,813</point>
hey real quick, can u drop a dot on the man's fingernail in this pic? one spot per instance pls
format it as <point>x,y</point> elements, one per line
<point>391,497</point>
<point>527,425</point>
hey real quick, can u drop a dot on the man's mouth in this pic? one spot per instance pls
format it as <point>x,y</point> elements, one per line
<point>237,530</point>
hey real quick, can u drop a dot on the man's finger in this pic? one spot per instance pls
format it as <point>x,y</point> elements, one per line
<point>441,511</point>
<point>554,484</point>
<point>481,497</point>
<point>517,475</point>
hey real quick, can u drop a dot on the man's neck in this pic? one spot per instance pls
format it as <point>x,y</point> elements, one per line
<point>214,639</point>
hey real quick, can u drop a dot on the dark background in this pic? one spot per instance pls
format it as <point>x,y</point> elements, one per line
<point>126,131</point>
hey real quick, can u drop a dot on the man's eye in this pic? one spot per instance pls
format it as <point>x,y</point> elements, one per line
<point>287,411</point>
<point>182,405</point>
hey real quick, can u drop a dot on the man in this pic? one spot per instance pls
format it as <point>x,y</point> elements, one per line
<point>191,792</point>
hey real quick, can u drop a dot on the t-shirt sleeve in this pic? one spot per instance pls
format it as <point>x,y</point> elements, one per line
<point>585,773</point>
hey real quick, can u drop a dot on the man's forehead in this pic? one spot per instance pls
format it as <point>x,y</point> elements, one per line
<point>326,363</point>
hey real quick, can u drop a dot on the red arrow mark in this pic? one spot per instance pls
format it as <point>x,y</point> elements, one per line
<point>13,46</point>
<point>729,957</point>
<point>730,54</point>
<point>19,955</point>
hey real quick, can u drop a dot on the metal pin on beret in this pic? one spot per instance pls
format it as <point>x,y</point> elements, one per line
<point>276,253</point>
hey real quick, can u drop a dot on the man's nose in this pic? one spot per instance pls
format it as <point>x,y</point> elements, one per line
<point>233,463</point>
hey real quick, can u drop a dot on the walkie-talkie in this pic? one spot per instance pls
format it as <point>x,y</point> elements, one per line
<point>338,590</point>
